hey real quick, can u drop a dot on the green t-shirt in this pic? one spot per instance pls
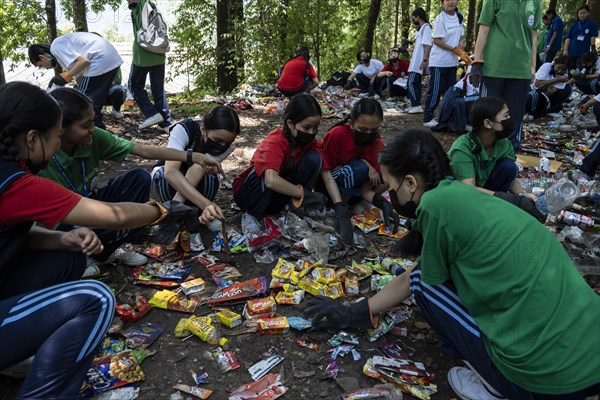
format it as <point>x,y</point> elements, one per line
<point>540,319</point>
<point>106,147</point>
<point>542,40</point>
<point>507,53</point>
<point>466,165</point>
<point>141,56</point>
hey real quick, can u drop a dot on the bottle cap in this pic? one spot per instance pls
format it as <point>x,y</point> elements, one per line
<point>223,341</point>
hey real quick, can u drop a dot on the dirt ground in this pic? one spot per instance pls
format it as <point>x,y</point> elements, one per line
<point>302,368</point>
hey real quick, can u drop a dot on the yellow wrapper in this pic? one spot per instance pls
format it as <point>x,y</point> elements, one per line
<point>324,275</point>
<point>229,318</point>
<point>311,286</point>
<point>180,331</point>
<point>283,269</point>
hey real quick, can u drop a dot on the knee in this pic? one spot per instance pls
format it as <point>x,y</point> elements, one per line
<point>141,177</point>
<point>508,166</point>
<point>360,170</point>
<point>312,161</point>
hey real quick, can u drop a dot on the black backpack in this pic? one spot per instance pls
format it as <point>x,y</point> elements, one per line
<point>338,79</point>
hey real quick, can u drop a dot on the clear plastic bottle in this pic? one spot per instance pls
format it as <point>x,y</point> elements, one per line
<point>594,191</point>
<point>558,196</point>
<point>392,266</point>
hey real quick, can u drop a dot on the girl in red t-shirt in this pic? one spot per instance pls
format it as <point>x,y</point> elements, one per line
<point>298,75</point>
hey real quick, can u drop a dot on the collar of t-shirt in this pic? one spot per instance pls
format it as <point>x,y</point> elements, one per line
<point>79,152</point>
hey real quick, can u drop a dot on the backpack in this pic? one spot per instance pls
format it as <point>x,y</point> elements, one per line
<point>338,79</point>
<point>153,35</point>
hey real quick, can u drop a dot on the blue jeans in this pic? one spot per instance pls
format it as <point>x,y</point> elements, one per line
<point>503,175</point>
<point>96,88</point>
<point>208,186</point>
<point>351,177</point>
<point>514,93</point>
<point>414,88</point>
<point>558,99</point>
<point>365,85</point>
<point>255,198</point>
<point>115,97</point>
<point>591,162</point>
<point>442,79</point>
<point>137,85</point>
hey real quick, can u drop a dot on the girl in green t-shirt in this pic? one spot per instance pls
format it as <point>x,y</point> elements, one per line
<point>498,287</point>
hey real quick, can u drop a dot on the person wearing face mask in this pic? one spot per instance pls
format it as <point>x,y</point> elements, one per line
<point>485,158</point>
<point>419,62</point>
<point>285,167</point>
<point>76,166</point>
<point>395,68</point>
<point>551,82</point>
<point>212,136</point>
<point>498,288</point>
<point>351,150</point>
<point>146,63</point>
<point>366,75</point>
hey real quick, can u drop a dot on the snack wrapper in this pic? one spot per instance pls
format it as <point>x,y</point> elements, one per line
<point>180,331</point>
<point>283,269</point>
<point>166,253</point>
<point>310,285</point>
<point>226,360</point>
<point>266,305</point>
<point>172,271</point>
<point>324,275</point>
<point>241,290</point>
<point>379,281</point>
<point>293,297</point>
<point>229,318</point>
<point>113,371</point>
<point>277,283</point>
<point>185,240</point>
<point>260,369</point>
<point>193,286</point>
<point>269,387</point>
<point>144,334</point>
<point>334,290</point>
<point>273,326</point>
<point>299,323</point>
<point>360,270</point>
<point>205,260</point>
<point>368,221</point>
<point>303,267</point>
<point>386,323</point>
<point>306,344</point>
<point>236,242</point>
<point>132,314</point>
<point>224,274</point>
<point>193,390</point>
<point>351,285</point>
<point>196,242</point>
<point>138,277</point>
<point>169,300</point>
<point>387,231</point>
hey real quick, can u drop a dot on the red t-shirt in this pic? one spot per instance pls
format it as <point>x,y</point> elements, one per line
<point>339,148</point>
<point>33,198</point>
<point>398,69</point>
<point>272,153</point>
<point>294,71</point>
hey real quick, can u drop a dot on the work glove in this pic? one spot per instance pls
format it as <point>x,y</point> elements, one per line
<point>338,315</point>
<point>313,200</point>
<point>175,216</point>
<point>390,218</point>
<point>524,203</point>
<point>476,73</point>
<point>61,80</point>
<point>464,57</point>
<point>342,222</point>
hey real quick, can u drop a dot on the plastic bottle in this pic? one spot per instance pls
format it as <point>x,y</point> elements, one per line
<point>574,219</point>
<point>205,331</point>
<point>558,196</point>
<point>392,266</point>
<point>594,192</point>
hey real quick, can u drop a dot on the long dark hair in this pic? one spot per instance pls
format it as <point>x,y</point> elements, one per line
<point>303,51</point>
<point>482,109</point>
<point>73,104</point>
<point>363,106</point>
<point>23,107</point>
<point>300,107</point>
<point>419,12</point>
<point>222,117</point>
<point>415,151</point>
<point>36,50</point>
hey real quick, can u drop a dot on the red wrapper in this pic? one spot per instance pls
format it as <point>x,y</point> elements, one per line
<point>132,314</point>
<point>241,290</point>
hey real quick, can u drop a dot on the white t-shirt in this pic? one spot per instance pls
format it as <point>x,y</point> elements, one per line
<point>450,30</point>
<point>422,38</point>
<point>544,74</point>
<point>102,54</point>
<point>372,69</point>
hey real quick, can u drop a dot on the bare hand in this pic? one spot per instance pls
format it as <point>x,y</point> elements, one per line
<point>210,213</point>
<point>423,65</point>
<point>562,79</point>
<point>373,175</point>
<point>212,166</point>
<point>583,109</point>
<point>82,239</point>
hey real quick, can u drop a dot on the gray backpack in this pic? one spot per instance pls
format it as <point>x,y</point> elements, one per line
<point>153,35</point>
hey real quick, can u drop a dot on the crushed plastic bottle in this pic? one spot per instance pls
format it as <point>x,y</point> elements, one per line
<point>557,197</point>
<point>594,192</point>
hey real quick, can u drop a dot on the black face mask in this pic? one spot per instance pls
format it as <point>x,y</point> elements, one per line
<point>409,209</point>
<point>213,148</point>
<point>508,127</point>
<point>366,60</point>
<point>363,139</point>
<point>303,138</point>
<point>393,60</point>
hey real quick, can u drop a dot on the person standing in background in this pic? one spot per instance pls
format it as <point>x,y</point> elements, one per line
<point>581,37</point>
<point>555,34</point>
<point>148,63</point>
<point>419,60</point>
<point>541,46</point>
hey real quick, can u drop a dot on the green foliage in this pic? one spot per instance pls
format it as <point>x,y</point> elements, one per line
<point>21,24</point>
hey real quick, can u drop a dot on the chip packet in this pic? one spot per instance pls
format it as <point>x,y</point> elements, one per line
<point>192,287</point>
<point>143,334</point>
<point>195,391</point>
<point>239,291</point>
<point>168,300</point>
<point>113,371</point>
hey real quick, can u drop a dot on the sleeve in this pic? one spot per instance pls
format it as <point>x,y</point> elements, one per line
<point>439,249</point>
<point>21,202</point>
<point>270,154</point>
<point>178,138</point>
<point>373,155</point>
<point>543,73</point>
<point>63,50</point>
<point>111,147</point>
<point>311,71</point>
<point>439,29</point>
<point>358,69</point>
<point>488,12</point>
<point>537,22</point>
<point>597,97</point>
<point>386,67</point>
<point>594,29</point>
<point>426,39</point>
<point>462,165</point>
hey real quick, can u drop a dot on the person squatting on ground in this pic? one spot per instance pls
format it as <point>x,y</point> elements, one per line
<point>86,57</point>
<point>509,315</point>
<point>213,136</point>
<point>581,37</point>
<point>76,165</point>
<point>395,68</point>
<point>550,89</point>
<point>285,168</point>
<point>146,63</point>
<point>298,75</point>
<point>419,62</point>
<point>505,55</point>
<point>45,311</point>
<point>366,75</point>
<point>443,60</point>
<point>116,96</point>
<point>586,80</point>
<point>455,106</point>
<point>351,151</point>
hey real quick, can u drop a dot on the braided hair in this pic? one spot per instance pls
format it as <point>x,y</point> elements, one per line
<point>415,151</point>
<point>73,104</point>
<point>23,107</point>
<point>482,109</point>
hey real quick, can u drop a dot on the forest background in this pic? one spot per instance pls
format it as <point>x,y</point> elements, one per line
<point>223,43</point>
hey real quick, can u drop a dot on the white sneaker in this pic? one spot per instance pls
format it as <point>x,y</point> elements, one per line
<point>215,225</point>
<point>153,120</point>
<point>132,259</point>
<point>364,94</point>
<point>117,114</point>
<point>431,123</point>
<point>165,129</point>
<point>468,128</point>
<point>18,370</point>
<point>91,270</point>
<point>415,110</point>
<point>468,385</point>
<point>376,97</point>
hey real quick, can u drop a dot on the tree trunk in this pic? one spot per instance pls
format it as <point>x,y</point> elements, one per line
<point>396,23</point>
<point>552,5</point>
<point>2,76</point>
<point>226,65</point>
<point>51,20</point>
<point>405,22</point>
<point>237,17</point>
<point>428,9</point>
<point>594,9</point>
<point>318,41</point>
<point>80,16</point>
<point>470,25</point>
<point>371,24</point>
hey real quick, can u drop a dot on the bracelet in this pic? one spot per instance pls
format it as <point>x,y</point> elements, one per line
<point>190,152</point>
